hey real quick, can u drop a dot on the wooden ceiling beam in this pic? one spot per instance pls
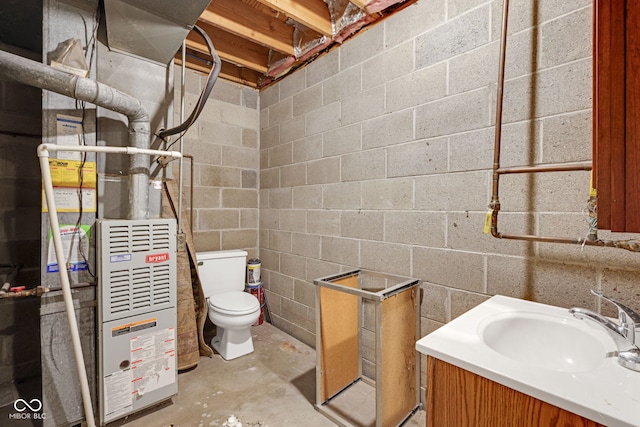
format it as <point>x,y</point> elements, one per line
<point>231,48</point>
<point>313,14</point>
<point>244,76</point>
<point>245,21</point>
<point>362,4</point>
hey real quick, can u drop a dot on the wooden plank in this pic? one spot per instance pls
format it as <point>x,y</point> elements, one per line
<point>362,4</point>
<point>456,397</point>
<point>313,14</point>
<point>247,22</point>
<point>632,112</point>
<point>339,358</point>
<point>228,71</point>
<point>231,48</point>
<point>398,331</point>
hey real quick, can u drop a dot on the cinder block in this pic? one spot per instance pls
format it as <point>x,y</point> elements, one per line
<point>281,155</point>
<point>453,192</point>
<point>396,193</point>
<point>417,88</point>
<point>298,314</point>
<point>317,268</point>
<point>357,49</point>
<point>307,100</point>
<point>270,96</point>
<point>281,112</point>
<point>363,165</point>
<point>418,158</point>
<point>307,148</point>
<point>293,84</point>
<point>293,266</point>
<point>250,138</point>
<point>462,301</point>
<point>281,285</point>
<point>323,171</point>
<point>459,35</point>
<point>520,145</point>
<point>567,38</point>
<point>249,178</point>
<point>367,225</point>
<point>387,66</point>
<point>280,241</point>
<point>270,137</point>
<point>269,218</point>
<point>218,176</point>
<point>292,129</point>
<point>239,116</point>
<point>342,85</point>
<point>204,152</point>
<point>567,138</point>
<point>218,219</point>
<point>340,250</point>
<point>304,292</point>
<point>345,139</point>
<point>306,245</point>
<point>324,67</point>
<point>465,112</point>
<point>362,106</point>
<point>324,222</point>
<point>388,129</point>
<point>621,285</point>
<point>249,219</point>
<point>471,150</point>
<point>557,90</point>
<point>250,98</point>
<point>345,195</point>
<point>227,91</point>
<point>206,197</point>
<point>324,119</point>
<point>270,178</point>
<point>239,198</point>
<point>293,220</point>
<point>475,69</point>
<point>207,240</point>
<point>293,175</point>
<point>388,257</point>
<point>307,197</point>
<point>415,228</point>
<point>280,198</point>
<point>436,303</point>
<point>434,266</point>
<point>415,19</point>
<point>241,157</point>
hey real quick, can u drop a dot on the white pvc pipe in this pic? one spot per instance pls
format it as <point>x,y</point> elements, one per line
<point>43,154</point>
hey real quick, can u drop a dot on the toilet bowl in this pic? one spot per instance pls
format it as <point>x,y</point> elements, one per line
<point>233,313</point>
<point>230,309</point>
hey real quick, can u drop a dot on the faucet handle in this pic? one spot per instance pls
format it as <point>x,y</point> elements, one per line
<point>624,312</point>
<point>629,319</point>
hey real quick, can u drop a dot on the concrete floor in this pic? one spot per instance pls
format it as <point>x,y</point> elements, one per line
<point>272,387</point>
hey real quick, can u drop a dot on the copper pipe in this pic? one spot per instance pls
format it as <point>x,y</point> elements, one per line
<point>591,239</point>
<point>565,167</point>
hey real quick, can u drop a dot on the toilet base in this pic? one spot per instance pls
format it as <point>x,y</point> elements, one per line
<point>232,343</point>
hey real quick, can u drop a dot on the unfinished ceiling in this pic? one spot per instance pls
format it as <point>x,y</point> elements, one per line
<point>260,41</point>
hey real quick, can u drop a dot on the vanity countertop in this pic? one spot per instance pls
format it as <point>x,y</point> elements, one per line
<point>608,393</point>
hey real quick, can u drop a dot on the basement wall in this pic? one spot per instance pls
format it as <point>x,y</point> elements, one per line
<point>224,144</point>
<point>378,155</point>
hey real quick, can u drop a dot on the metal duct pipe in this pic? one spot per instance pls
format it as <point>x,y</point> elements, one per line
<point>32,73</point>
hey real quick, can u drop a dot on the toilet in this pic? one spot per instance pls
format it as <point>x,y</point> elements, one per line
<point>233,311</point>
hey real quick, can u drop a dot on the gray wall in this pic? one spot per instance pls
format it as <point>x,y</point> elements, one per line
<point>224,143</point>
<point>378,155</point>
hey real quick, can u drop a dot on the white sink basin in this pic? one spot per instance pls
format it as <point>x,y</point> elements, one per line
<point>543,340</point>
<point>544,352</point>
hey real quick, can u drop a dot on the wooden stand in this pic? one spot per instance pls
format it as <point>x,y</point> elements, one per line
<point>339,303</point>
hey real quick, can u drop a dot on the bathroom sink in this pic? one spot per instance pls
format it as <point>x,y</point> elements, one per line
<point>557,343</point>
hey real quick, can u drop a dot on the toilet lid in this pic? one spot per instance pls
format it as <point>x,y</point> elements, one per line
<point>235,302</point>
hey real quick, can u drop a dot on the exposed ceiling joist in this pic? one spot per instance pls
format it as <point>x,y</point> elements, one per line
<point>313,14</point>
<point>245,21</point>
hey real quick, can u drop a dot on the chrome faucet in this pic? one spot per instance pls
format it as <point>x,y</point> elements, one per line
<point>625,333</point>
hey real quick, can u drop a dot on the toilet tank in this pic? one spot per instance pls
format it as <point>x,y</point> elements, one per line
<point>221,271</point>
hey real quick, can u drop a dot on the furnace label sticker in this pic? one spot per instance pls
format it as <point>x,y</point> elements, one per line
<point>117,393</point>
<point>153,361</point>
<point>75,247</point>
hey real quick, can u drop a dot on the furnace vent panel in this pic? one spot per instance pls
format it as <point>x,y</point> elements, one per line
<point>136,266</point>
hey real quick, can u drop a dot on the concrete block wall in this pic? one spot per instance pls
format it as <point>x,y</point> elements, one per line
<point>378,155</point>
<point>224,144</point>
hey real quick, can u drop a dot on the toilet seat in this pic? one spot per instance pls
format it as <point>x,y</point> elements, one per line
<point>234,303</point>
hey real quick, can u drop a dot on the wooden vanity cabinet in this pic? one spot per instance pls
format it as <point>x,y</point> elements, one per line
<point>459,398</point>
